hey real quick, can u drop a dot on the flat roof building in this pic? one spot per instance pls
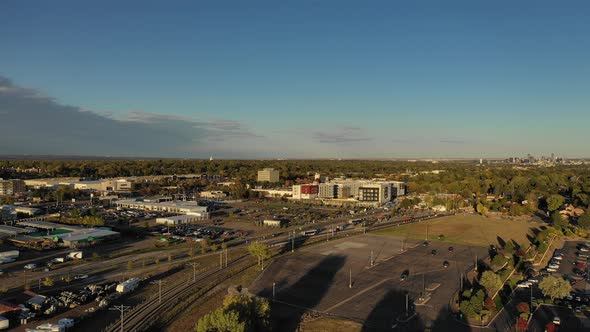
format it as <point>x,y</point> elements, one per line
<point>180,219</point>
<point>186,207</point>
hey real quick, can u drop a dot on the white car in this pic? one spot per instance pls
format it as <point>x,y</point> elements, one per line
<point>556,320</point>
<point>81,276</point>
<point>30,266</point>
<point>549,269</point>
<point>557,257</point>
<point>523,284</point>
<point>553,266</point>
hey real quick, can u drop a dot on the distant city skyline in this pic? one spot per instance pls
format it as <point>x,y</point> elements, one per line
<point>292,80</point>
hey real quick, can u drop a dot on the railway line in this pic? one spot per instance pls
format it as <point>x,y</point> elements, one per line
<point>141,317</point>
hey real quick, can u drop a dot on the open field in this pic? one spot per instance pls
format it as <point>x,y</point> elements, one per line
<point>330,324</point>
<point>471,229</point>
<point>336,278</point>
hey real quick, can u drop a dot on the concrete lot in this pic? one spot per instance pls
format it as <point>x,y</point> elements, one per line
<point>318,278</point>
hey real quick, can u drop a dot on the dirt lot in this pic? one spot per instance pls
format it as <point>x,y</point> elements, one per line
<point>318,278</point>
<point>469,229</point>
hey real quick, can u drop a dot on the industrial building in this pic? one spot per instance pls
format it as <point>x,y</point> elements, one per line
<point>268,175</point>
<point>11,187</point>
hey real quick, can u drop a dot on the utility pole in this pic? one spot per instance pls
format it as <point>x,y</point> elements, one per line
<point>350,278</point>
<point>273,291</point>
<point>461,283</point>
<point>371,258</point>
<point>475,262</point>
<point>293,242</point>
<point>194,265</point>
<point>121,308</point>
<point>407,305</point>
<point>221,260</point>
<point>225,257</point>
<point>159,283</point>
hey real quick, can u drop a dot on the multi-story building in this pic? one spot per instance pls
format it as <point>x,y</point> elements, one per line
<point>327,190</point>
<point>268,175</point>
<point>305,191</point>
<point>11,187</point>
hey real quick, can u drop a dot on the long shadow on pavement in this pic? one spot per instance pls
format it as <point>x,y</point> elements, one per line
<point>384,315</point>
<point>292,302</point>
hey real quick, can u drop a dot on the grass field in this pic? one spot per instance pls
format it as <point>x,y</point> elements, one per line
<point>329,324</point>
<point>470,229</point>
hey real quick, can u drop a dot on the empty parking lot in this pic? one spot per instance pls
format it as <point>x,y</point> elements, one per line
<point>337,278</point>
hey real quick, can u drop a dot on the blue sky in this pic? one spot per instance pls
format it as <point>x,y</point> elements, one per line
<point>280,79</point>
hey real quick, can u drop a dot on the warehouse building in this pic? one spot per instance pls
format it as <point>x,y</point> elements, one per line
<point>181,219</point>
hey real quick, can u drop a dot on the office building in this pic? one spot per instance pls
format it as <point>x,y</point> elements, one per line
<point>268,175</point>
<point>11,187</point>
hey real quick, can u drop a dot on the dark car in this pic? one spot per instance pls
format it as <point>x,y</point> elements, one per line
<point>451,249</point>
<point>445,264</point>
<point>425,244</point>
<point>404,275</point>
<point>433,252</point>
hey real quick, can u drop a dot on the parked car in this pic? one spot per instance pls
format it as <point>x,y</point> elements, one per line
<point>445,264</point>
<point>556,320</point>
<point>30,266</point>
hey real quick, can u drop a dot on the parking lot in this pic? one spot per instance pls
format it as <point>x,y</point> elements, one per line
<point>566,268</point>
<point>337,278</point>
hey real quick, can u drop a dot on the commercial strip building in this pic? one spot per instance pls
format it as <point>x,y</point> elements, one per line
<point>268,175</point>
<point>11,187</point>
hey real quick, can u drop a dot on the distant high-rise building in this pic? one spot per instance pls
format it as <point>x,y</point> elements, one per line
<point>268,175</point>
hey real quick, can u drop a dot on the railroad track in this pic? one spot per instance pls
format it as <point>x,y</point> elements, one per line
<point>139,318</point>
<point>144,315</point>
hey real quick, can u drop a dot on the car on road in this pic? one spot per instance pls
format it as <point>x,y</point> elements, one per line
<point>556,320</point>
<point>30,266</point>
<point>404,275</point>
<point>81,276</point>
<point>523,284</point>
<point>445,264</point>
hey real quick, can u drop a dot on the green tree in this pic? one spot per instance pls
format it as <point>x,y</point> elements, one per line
<point>220,320</point>
<point>554,202</point>
<point>48,282</point>
<point>238,313</point>
<point>584,220</point>
<point>557,220</point>
<point>260,251</point>
<point>490,281</point>
<point>482,209</point>
<point>555,287</point>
